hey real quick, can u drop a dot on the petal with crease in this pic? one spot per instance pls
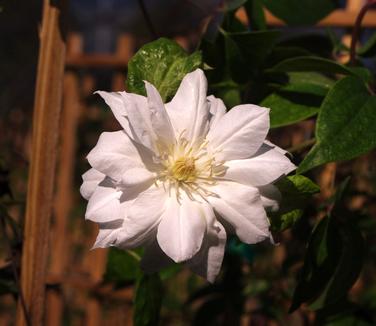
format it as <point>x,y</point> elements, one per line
<point>182,228</point>
<point>139,116</point>
<point>217,110</point>
<point>91,179</point>
<point>159,117</point>
<point>265,167</point>
<point>145,212</point>
<point>189,109</point>
<point>241,206</point>
<point>208,261</point>
<point>115,153</point>
<point>115,101</point>
<point>107,234</point>
<point>240,132</point>
<point>104,204</point>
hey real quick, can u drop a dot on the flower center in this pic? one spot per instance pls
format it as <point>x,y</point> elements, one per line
<point>184,169</point>
<point>188,167</point>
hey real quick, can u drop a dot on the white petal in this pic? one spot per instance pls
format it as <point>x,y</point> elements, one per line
<point>189,109</point>
<point>270,197</point>
<point>115,153</point>
<point>279,149</point>
<point>154,259</point>
<point>139,116</point>
<point>104,204</point>
<point>217,110</point>
<point>240,132</point>
<point>182,228</point>
<point>159,117</point>
<point>144,215</point>
<point>107,234</point>
<point>137,176</point>
<point>265,167</point>
<point>208,261</point>
<point>115,101</point>
<point>91,179</point>
<point>241,206</point>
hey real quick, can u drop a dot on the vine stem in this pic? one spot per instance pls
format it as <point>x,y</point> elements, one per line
<point>301,146</point>
<point>357,27</point>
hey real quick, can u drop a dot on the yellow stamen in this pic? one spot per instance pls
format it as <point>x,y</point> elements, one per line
<point>184,169</point>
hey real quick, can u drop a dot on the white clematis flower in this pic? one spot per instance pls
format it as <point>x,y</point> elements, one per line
<point>179,174</point>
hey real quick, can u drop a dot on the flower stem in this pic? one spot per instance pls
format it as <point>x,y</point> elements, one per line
<point>356,30</point>
<point>301,146</point>
<point>134,254</point>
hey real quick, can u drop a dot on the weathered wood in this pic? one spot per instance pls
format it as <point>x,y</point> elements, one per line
<point>46,116</point>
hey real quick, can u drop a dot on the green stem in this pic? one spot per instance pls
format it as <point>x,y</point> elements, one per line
<point>134,254</point>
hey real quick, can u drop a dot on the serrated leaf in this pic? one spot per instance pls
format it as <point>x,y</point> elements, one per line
<point>345,126</point>
<point>300,12</point>
<point>163,63</point>
<point>121,267</point>
<point>148,300</point>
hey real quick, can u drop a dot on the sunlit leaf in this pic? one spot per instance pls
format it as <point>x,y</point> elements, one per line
<point>164,64</point>
<point>346,124</point>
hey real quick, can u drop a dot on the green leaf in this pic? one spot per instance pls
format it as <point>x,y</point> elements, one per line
<point>300,12</point>
<point>308,83</point>
<point>296,191</point>
<point>333,260</point>
<point>299,99</point>
<point>319,263</point>
<point>255,46</point>
<point>316,64</point>
<point>347,270</point>
<point>121,267</point>
<point>288,108</point>
<point>148,300</point>
<point>163,63</point>
<point>229,92</point>
<point>345,126</point>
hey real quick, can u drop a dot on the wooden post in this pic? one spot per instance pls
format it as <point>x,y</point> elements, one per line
<point>46,116</point>
<point>64,185</point>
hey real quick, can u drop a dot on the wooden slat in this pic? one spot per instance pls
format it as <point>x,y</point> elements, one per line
<point>63,200</point>
<point>46,116</point>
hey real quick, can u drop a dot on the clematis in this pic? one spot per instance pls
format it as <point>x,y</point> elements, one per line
<point>181,176</point>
